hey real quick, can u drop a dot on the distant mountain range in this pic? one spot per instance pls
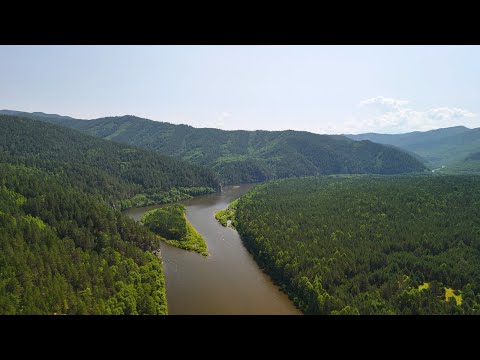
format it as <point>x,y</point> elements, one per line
<point>36,115</point>
<point>246,156</point>
<point>457,148</point>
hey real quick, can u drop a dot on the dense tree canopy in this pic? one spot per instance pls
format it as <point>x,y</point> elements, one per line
<point>369,245</point>
<point>63,251</point>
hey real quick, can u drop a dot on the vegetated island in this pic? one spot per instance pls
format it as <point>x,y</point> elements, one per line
<point>228,214</point>
<point>172,227</point>
<point>368,244</point>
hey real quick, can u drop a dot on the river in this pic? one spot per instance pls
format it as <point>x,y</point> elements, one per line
<point>228,281</point>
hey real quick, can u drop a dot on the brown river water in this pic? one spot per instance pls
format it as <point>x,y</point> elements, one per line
<point>226,282</point>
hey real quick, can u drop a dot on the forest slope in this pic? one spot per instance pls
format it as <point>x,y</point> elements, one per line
<point>453,147</point>
<point>122,174</point>
<point>64,251</point>
<point>369,245</point>
<point>65,248</point>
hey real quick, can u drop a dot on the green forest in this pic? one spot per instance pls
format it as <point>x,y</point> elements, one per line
<point>65,247</point>
<point>63,251</point>
<point>172,226</point>
<point>248,156</point>
<point>122,175</point>
<point>369,244</point>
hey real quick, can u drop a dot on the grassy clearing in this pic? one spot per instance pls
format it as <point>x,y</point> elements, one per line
<point>424,286</point>
<point>193,241</point>
<point>449,293</point>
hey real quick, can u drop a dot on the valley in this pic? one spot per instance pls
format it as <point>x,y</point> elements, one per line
<point>335,242</point>
<point>181,179</point>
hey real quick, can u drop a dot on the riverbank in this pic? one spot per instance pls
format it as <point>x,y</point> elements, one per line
<point>226,217</point>
<point>165,197</point>
<point>228,281</point>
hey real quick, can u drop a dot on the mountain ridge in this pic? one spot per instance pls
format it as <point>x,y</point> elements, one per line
<point>410,137</point>
<point>242,156</point>
<point>452,147</point>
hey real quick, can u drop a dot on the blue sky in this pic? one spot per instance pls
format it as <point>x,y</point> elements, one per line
<point>322,89</point>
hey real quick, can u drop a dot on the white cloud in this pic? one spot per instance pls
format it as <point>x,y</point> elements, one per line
<point>445,113</point>
<point>388,115</point>
<point>381,100</point>
<point>221,118</point>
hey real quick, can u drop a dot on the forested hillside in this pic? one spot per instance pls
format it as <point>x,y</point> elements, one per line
<point>369,245</point>
<point>453,147</point>
<point>249,156</point>
<point>65,248</point>
<point>123,175</point>
<point>412,139</point>
<point>63,251</point>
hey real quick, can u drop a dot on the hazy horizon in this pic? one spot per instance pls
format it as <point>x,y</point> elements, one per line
<point>320,89</point>
<point>209,127</point>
